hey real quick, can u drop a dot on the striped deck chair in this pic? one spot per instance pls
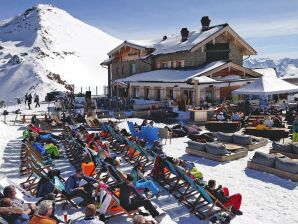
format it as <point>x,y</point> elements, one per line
<point>204,205</point>
<point>171,176</point>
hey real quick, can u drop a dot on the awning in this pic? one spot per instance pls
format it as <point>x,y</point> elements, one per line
<point>267,85</point>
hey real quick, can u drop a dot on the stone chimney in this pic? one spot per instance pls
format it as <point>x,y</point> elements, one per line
<point>205,21</point>
<point>184,34</point>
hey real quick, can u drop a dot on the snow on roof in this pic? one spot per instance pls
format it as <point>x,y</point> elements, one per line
<point>203,79</point>
<point>267,85</point>
<point>172,75</point>
<point>266,71</point>
<point>229,78</point>
<point>173,42</point>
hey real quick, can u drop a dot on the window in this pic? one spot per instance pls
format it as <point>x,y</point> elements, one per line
<point>158,65</point>
<point>132,53</point>
<point>164,64</point>
<point>180,64</point>
<point>158,94</point>
<point>169,64</point>
<point>136,92</point>
<point>122,70</point>
<point>174,64</point>
<point>133,68</point>
<point>171,94</point>
<point>146,93</point>
<point>217,52</point>
<point>117,70</point>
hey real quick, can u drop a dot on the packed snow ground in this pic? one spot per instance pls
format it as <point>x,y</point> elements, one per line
<point>266,198</point>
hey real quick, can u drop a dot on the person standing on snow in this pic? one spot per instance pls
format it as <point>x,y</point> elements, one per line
<point>36,100</point>
<point>29,98</point>
<point>26,98</point>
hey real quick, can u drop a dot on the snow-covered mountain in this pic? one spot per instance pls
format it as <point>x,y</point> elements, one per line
<point>285,67</point>
<point>46,49</point>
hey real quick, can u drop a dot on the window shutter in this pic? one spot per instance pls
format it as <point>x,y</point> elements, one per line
<point>169,64</point>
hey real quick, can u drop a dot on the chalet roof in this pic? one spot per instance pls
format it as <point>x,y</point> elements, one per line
<point>173,42</point>
<point>266,71</point>
<point>172,75</point>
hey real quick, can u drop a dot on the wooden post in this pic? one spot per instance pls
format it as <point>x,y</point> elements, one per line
<point>24,119</point>
<point>196,93</point>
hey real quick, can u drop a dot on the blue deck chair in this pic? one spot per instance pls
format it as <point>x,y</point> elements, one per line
<point>150,134</point>
<point>132,130</point>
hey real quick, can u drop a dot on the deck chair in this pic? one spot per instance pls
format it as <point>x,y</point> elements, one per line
<point>150,134</point>
<point>59,185</point>
<point>205,203</point>
<point>119,141</point>
<point>170,176</point>
<point>164,133</point>
<point>148,159</point>
<point>20,192</point>
<point>133,132</point>
<point>136,155</point>
<point>183,186</point>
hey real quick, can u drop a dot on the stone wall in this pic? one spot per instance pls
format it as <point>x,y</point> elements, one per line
<point>123,69</point>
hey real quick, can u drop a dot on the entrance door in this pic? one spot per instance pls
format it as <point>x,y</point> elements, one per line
<point>226,92</point>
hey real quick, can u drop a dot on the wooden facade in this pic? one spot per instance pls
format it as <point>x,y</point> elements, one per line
<point>225,44</point>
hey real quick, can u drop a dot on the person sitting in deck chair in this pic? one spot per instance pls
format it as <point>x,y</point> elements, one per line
<point>46,184</point>
<point>222,194</point>
<point>40,131</point>
<point>10,192</point>
<point>141,182</point>
<point>14,214</point>
<point>44,213</point>
<point>90,216</point>
<point>73,189</point>
<point>131,199</point>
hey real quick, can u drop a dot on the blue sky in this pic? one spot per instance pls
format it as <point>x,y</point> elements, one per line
<point>270,26</point>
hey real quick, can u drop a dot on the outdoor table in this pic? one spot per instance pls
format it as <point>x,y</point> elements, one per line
<point>260,116</point>
<point>223,126</point>
<point>202,115</point>
<point>274,134</point>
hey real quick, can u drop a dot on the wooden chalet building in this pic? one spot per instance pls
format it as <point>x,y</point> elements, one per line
<point>195,65</point>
